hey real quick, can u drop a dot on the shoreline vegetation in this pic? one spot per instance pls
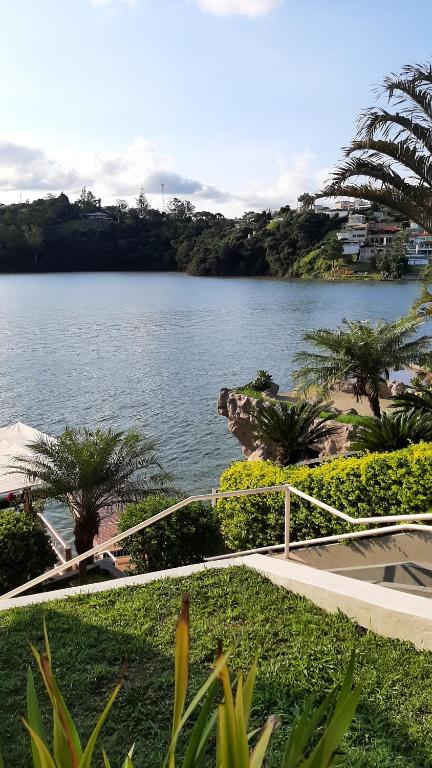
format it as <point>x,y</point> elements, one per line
<point>54,234</point>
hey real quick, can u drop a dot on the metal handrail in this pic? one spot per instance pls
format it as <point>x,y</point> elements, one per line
<point>287,490</point>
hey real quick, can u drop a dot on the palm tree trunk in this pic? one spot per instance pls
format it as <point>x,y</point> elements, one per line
<point>83,542</point>
<point>374,403</point>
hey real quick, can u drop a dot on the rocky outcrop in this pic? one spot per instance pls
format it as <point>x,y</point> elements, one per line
<point>239,411</point>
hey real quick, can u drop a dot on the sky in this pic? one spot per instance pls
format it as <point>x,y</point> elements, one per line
<point>233,104</point>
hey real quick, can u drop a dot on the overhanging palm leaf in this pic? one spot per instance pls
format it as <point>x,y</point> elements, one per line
<point>89,470</point>
<point>361,352</point>
<point>390,160</point>
<point>419,401</point>
<point>295,430</point>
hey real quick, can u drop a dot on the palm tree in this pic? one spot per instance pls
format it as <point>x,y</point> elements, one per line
<point>361,352</point>
<point>295,429</point>
<point>88,471</point>
<point>390,160</point>
<point>392,432</point>
<point>418,401</point>
<point>423,305</point>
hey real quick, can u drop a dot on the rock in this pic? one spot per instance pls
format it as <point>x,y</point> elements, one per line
<point>346,386</point>
<point>239,410</point>
<point>272,390</point>
<point>337,443</point>
<point>350,412</point>
<point>397,388</point>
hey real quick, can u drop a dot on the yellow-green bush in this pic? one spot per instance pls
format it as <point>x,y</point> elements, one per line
<point>376,484</point>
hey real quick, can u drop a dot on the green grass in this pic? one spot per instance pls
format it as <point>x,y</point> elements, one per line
<point>249,391</point>
<point>301,651</point>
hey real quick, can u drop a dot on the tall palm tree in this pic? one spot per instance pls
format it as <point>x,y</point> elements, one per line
<point>390,160</point>
<point>89,470</point>
<point>295,429</point>
<point>362,352</point>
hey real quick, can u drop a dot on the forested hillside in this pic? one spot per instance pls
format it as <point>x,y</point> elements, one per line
<point>53,234</point>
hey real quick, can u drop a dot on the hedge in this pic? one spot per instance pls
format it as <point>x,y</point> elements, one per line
<point>25,549</point>
<point>375,484</point>
<point>184,537</point>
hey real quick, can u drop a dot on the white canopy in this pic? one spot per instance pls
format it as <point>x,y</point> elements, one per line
<point>13,442</point>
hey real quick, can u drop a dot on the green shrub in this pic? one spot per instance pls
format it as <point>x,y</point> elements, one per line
<point>184,537</point>
<point>25,549</point>
<point>262,381</point>
<point>377,484</point>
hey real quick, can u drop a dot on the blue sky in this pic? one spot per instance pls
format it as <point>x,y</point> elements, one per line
<point>234,104</point>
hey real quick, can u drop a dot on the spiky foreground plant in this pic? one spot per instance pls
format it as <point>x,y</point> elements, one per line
<point>295,430</point>
<point>314,741</point>
<point>392,432</point>
<point>390,160</point>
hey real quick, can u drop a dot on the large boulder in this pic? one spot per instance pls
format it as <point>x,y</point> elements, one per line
<point>239,411</point>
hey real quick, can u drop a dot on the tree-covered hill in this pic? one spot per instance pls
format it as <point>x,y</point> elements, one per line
<point>53,234</point>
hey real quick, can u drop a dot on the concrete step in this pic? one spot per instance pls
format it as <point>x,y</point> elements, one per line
<point>409,589</point>
<point>402,573</point>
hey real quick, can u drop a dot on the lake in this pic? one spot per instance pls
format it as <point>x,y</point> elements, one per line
<point>152,350</point>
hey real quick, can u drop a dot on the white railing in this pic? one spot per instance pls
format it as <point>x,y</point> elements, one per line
<point>287,490</point>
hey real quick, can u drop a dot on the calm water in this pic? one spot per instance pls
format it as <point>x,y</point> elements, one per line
<point>152,351</point>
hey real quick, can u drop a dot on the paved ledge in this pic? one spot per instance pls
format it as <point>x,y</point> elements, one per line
<point>127,581</point>
<point>384,611</point>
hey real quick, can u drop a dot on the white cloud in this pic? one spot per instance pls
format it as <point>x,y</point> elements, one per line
<point>251,8</point>
<point>301,175</point>
<point>112,175</point>
<point>25,168</point>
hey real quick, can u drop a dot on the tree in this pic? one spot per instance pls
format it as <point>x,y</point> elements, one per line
<point>332,250</point>
<point>180,209</point>
<point>185,537</point>
<point>34,238</point>
<point>142,205</point>
<point>25,547</point>
<point>87,201</point>
<point>361,352</point>
<point>121,209</point>
<point>390,160</point>
<point>393,258</point>
<point>89,470</point>
<point>392,432</point>
<point>423,305</point>
<point>306,200</point>
<point>294,430</point>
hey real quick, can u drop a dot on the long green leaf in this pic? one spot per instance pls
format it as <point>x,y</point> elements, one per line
<point>229,720</point>
<point>248,691</point>
<point>196,700</point>
<point>34,717</point>
<point>260,748</point>
<point>46,760</point>
<point>201,733</point>
<point>86,759</point>
<point>181,674</point>
<point>242,737</point>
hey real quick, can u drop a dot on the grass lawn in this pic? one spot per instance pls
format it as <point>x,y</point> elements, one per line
<point>301,650</point>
